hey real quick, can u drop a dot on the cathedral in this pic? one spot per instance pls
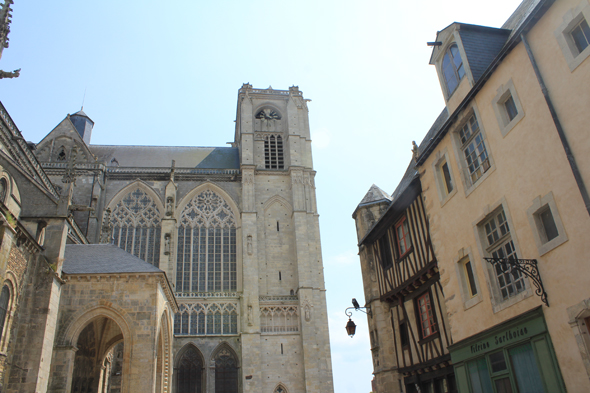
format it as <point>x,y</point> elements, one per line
<point>164,269</point>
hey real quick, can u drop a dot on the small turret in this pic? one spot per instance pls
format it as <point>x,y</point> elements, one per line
<point>83,125</point>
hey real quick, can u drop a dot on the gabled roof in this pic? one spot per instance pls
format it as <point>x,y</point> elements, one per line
<point>103,259</point>
<point>66,128</point>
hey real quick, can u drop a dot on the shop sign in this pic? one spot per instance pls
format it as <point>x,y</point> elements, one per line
<point>498,338</point>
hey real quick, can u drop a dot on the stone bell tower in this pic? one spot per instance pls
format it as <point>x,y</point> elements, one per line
<point>285,339</point>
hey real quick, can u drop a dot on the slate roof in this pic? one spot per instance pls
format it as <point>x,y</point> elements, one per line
<point>375,194</point>
<point>162,156</point>
<point>81,113</point>
<point>434,129</point>
<point>103,259</point>
<point>520,15</point>
<point>482,45</point>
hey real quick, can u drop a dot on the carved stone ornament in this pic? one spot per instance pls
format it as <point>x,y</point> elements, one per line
<point>248,178</point>
<point>167,239</point>
<point>249,313</point>
<point>307,309</point>
<point>249,245</point>
<point>307,312</point>
<point>107,228</point>
<point>169,206</point>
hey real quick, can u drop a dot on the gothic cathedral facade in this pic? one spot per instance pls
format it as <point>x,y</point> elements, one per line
<point>221,287</point>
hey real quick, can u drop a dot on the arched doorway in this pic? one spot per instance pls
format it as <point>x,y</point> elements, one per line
<point>93,363</point>
<point>226,371</point>
<point>189,371</point>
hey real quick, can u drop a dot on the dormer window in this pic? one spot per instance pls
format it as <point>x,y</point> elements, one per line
<point>452,68</point>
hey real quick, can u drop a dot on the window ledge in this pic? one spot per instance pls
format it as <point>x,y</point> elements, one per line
<point>475,300</point>
<point>469,190</point>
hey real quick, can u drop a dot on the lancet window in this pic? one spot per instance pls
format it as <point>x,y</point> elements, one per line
<point>226,372</point>
<point>137,226</point>
<point>273,152</point>
<point>4,300</point>
<point>279,319</point>
<point>189,373</point>
<point>206,319</point>
<point>206,246</point>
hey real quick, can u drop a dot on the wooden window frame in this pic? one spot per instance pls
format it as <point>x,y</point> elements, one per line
<point>432,323</point>
<point>405,238</point>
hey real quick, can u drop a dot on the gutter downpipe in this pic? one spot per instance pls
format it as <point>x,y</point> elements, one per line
<point>566,146</point>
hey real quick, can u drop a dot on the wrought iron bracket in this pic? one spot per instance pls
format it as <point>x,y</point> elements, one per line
<point>349,313</point>
<point>528,267</point>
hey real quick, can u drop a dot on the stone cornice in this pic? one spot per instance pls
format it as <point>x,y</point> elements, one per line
<point>159,277</point>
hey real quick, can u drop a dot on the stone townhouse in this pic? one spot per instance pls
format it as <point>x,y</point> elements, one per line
<point>163,269</point>
<point>504,172</point>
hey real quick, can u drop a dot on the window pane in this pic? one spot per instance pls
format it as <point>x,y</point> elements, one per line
<point>480,377</point>
<point>470,278</point>
<point>449,74</point>
<point>526,372</point>
<point>581,35</point>
<point>447,177</point>
<point>503,385</point>
<point>510,108</point>
<point>497,362</point>
<point>548,224</point>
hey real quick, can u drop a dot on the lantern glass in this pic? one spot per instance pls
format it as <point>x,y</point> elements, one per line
<point>350,328</point>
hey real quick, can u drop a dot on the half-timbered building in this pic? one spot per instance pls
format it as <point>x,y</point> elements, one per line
<point>408,320</point>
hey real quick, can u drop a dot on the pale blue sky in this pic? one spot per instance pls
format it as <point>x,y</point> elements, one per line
<point>167,73</point>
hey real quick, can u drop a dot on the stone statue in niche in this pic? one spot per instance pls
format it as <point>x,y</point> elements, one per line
<point>169,206</point>
<point>307,312</point>
<point>249,244</point>
<point>249,315</point>
<point>167,244</point>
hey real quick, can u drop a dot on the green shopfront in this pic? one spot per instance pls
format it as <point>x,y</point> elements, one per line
<point>515,356</point>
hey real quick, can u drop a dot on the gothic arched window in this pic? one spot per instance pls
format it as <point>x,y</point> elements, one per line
<point>452,68</point>
<point>206,246</point>
<point>226,372</point>
<point>137,226</point>
<point>4,300</point>
<point>189,373</point>
<point>273,152</point>
<point>3,190</point>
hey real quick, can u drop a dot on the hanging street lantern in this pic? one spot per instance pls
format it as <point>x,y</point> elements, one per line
<point>350,326</point>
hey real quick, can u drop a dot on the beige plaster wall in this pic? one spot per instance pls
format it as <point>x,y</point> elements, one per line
<point>529,162</point>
